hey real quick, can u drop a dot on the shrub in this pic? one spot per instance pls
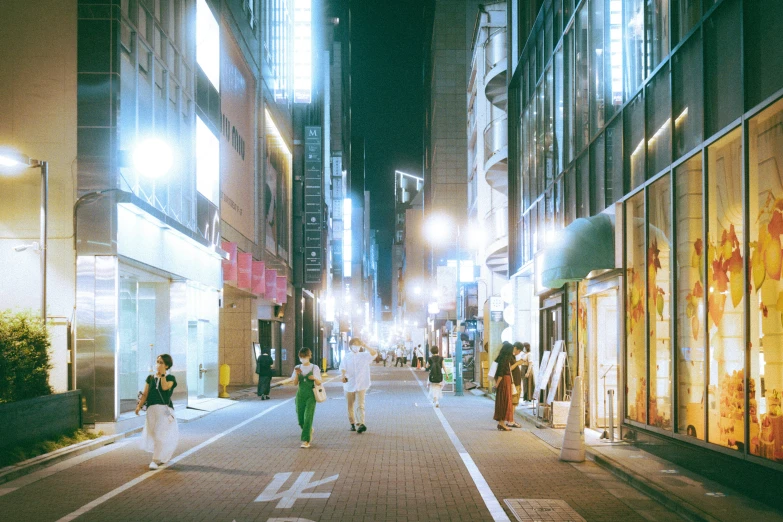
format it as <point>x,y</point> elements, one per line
<point>24,357</point>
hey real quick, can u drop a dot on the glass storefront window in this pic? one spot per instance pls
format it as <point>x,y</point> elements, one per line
<point>560,97</point>
<point>765,386</point>
<point>549,141</point>
<point>722,52</point>
<point>690,298</point>
<point>613,59</point>
<point>685,14</point>
<point>597,164</point>
<point>763,21</point>
<point>659,301</point>
<point>633,20</point>
<point>582,79</point>
<point>659,130</point>
<point>597,86</point>
<point>568,86</point>
<point>636,310</point>
<point>614,161</point>
<point>725,292</point>
<point>658,31</point>
<point>688,99</point>
<point>634,141</point>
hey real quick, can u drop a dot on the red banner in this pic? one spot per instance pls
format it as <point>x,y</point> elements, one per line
<point>282,297</point>
<point>258,286</point>
<point>230,264</point>
<point>271,284</point>
<point>244,270</point>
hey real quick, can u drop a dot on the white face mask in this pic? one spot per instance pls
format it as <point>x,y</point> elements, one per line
<point>305,360</point>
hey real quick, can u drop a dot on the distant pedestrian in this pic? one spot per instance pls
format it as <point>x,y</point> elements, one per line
<point>400,357</point>
<point>504,407</point>
<point>306,376</point>
<point>355,370</point>
<point>420,357</point>
<point>527,371</point>
<point>385,357</point>
<point>437,369</point>
<point>161,433</point>
<point>264,371</point>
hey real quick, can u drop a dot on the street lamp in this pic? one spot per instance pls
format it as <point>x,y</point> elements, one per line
<point>15,159</point>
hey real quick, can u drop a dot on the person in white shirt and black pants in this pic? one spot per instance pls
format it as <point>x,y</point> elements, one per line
<point>355,370</point>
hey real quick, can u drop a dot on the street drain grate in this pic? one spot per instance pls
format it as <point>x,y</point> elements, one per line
<point>545,510</point>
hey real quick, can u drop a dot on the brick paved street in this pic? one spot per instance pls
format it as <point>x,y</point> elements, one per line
<point>405,467</point>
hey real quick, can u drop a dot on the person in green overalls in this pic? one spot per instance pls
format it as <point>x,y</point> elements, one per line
<point>306,376</point>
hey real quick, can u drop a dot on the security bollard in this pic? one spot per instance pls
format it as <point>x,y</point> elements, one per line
<point>225,379</point>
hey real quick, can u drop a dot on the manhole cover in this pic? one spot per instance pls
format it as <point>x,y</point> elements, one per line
<point>542,509</point>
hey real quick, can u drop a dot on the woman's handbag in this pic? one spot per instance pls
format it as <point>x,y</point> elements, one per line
<point>319,392</point>
<point>493,369</point>
<point>170,405</point>
<point>511,375</point>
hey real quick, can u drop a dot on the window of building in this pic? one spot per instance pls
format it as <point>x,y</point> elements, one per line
<point>568,101</point>
<point>765,385</point>
<point>524,158</point>
<point>598,55</point>
<point>685,15</point>
<point>560,97</point>
<point>558,20</point>
<point>540,141</point>
<point>658,31</point>
<point>659,301</point>
<point>615,188</point>
<point>688,99</point>
<point>207,162</point>
<point>598,197</point>
<point>549,140</point>
<point>584,188</point>
<point>633,20</point>
<point>634,141</point>
<point>722,52</point>
<point>763,21</point>
<point>725,292</point>
<point>582,79</point>
<point>636,310</point>
<point>570,196</point>
<point>690,298</point>
<point>548,34</point>
<point>659,130</point>
<point>208,43</point>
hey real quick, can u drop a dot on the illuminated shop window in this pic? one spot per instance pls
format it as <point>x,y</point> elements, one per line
<point>208,43</point>
<point>207,162</point>
<point>636,309</point>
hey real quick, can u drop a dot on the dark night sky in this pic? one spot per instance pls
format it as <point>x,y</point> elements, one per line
<point>388,106</point>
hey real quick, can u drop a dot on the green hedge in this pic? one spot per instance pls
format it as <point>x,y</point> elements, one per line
<point>24,357</point>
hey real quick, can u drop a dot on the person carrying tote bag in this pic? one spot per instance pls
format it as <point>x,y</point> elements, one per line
<point>504,406</point>
<point>161,432</point>
<point>306,377</point>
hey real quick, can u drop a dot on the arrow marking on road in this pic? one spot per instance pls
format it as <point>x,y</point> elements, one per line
<point>296,491</point>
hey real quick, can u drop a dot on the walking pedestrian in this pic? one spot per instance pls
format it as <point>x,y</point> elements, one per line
<point>437,369</point>
<point>161,433</point>
<point>504,407</point>
<point>264,371</point>
<point>420,357</point>
<point>306,376</point>
<point>355,370</point>
<point>400,357</point>
<point>385,357</point>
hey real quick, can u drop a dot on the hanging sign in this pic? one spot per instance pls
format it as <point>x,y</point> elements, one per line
<point>271,284</point>
<point>230,264</point>
<point>258,283</point>
<point>244,270</point>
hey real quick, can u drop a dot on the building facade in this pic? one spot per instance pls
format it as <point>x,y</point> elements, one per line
<point>644,173</point>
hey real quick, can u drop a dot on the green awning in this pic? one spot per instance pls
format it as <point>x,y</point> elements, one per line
<point>585,245</point>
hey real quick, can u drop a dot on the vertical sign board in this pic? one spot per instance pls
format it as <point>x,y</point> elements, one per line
<point>313,203</point>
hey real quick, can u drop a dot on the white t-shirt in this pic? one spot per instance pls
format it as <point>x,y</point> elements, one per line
<point>306,369</point>
<point>357,369</point>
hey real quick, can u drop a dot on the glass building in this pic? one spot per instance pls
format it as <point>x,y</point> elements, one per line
<point>646,196</point>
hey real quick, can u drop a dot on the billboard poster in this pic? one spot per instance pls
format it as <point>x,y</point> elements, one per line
<point>447,287</point>
<point>237,140</point>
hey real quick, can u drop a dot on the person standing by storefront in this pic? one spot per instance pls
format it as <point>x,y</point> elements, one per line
<point>399,360</point>
<point>355,370</point>
<point>527,371</point>
<point>264,371</point>
<point>306,376</point>
<point>504,407</point>
<point>161,433</point>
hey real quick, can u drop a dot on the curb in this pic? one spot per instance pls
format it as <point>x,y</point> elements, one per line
<point>26,467</point>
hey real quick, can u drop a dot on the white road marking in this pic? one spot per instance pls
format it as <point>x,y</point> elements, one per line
<point>295,492</point>
<point>494,507</point>
<point>113,493</point>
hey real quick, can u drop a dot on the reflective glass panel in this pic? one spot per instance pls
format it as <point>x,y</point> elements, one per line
<point>725,292</point>
<point>614,161</point>
<point>634,141</point>
<point>658,31</point>
<point>559,129</point>
<point>685,15</point>
<point>582,78</point>
<point>763,21</point>
<point>690,298</point>
<point>688,99</point>
<point>598,52</point>
<point>722,63</point>
<point>765,386</point>
<point>633,17</point>
<point>659,123</point>
<point>636,310</point>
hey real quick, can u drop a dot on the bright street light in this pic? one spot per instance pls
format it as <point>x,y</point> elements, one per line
<point>11,158</point>
<point>153,158</point>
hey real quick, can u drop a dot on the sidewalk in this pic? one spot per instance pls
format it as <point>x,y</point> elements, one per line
<point>688,494</point>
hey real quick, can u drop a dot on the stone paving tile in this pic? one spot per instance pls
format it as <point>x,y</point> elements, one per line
<point>404,468</point>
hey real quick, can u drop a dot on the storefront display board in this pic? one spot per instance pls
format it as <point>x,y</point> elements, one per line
<point>561,357</point>
<point>550,365</point>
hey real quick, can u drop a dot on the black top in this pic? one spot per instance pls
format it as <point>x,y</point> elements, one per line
<point>264,365</point>
<point>158,395</point>
<point>504,365</point>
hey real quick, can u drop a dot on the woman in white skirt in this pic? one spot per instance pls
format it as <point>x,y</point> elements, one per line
<point>437,371</point>
<point>161,433</point>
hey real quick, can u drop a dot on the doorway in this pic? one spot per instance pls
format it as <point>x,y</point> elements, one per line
<point>270,336</point>
<point>602,349</point>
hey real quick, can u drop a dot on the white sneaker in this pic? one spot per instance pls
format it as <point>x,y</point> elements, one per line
<point>153,465</point>
<point>304,444</point>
